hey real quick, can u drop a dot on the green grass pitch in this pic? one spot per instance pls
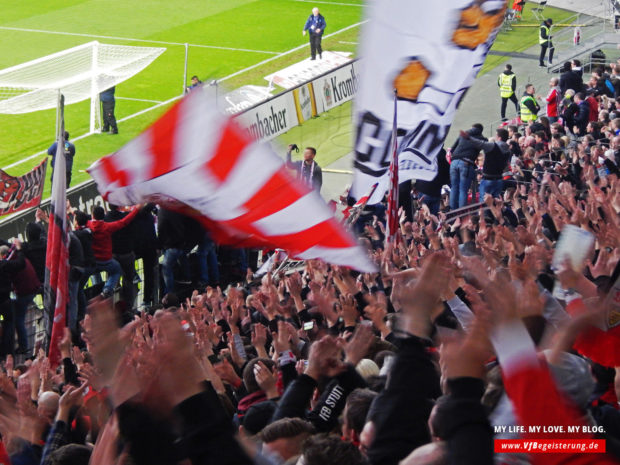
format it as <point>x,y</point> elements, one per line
<point>262,28</point>
<point>262,25</point>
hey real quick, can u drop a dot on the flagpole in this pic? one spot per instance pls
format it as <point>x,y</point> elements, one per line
<point>60,116</point>
<point>57,254</point>
<point>50,302</point>
<point>392,213</point>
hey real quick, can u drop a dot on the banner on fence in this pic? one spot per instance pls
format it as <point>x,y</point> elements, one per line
<point>336,88</point>
<point>270,119</point>
<point>243,98</point>
<point>21,192</point>
<point>84,197</point>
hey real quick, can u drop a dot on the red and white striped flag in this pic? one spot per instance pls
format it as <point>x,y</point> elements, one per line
<point>56,290</point>
<point>200,162</point>
<point>392,206</point>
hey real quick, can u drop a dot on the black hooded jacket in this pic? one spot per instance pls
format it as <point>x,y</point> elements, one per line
<point>464,149</point>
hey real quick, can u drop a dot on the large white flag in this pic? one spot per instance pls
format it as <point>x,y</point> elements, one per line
<point>430,52</point>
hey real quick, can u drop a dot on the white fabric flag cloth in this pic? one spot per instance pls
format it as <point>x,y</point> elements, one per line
<point>430,52</point>
<point>199,162</point>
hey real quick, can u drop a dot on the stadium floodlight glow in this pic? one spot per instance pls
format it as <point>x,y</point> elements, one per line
<point>80,73</point>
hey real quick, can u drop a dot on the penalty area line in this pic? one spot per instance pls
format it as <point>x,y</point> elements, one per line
<point>331,3</point>
<point>129,39</point>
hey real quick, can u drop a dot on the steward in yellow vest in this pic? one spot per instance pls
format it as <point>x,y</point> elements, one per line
<point>544,39</point>
<point>507,82</point>
<point>529,105</point>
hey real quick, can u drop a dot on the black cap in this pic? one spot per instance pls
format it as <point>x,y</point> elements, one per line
<point>549,21</point>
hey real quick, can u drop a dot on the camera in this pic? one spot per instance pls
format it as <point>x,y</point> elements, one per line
<point>294,147</point>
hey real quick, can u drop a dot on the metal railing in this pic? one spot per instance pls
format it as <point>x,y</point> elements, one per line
<point>35,315</point>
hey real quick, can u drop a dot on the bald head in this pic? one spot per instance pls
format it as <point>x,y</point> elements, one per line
<point>48,405</point>
<point>315,11</point>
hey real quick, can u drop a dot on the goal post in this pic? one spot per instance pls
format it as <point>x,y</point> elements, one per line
<point>79,73</point>
<point>95,116</point>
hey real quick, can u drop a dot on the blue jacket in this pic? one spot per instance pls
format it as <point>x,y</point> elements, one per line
<point>315,22</point>
<point>69,154</point>
<point>107,95</point>
<point>582,118</point>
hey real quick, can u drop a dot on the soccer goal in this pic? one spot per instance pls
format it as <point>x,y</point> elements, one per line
<point>79,73</point>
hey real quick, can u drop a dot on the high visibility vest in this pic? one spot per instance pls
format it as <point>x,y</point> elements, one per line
<point>526,114</point>
<point>541,39</point>
<point>505,84</point>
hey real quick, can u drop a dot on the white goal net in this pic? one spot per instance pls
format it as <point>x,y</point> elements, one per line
<point>80,73</point>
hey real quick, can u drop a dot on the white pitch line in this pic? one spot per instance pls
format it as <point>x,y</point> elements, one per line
<point>138,99</point>
<point>289,52</point>
<point>330,3</point>
<point>146,110</point>
<point>95,36</point>
<point>345,42</point>
<point>83,136</point>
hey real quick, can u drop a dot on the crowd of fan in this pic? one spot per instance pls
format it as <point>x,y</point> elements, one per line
<point>465,328</point>
<point>112,242</point>
<point>581,129</point>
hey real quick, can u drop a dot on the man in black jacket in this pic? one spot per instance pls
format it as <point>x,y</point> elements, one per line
<point>76,270</point>
<point>146,248</point>
<point>308,171</point>
<point>123,242</point>
<point>462,168</point>
<point>85,236</point>
<point>171,231</point>
<point>570,79</point>
<point>496,157</point>
<point>569,110</point>
<point>344,380</point>
<point>582,117</point>
<point>35,249</point>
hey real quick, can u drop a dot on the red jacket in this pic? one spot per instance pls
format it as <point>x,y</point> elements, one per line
<point>593,109</point>
<point>102,235</point>
<point>553,97</point>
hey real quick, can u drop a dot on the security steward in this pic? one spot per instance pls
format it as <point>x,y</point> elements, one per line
<point>544,39</point>
<point>507,82</point>
<point>529,105</point>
